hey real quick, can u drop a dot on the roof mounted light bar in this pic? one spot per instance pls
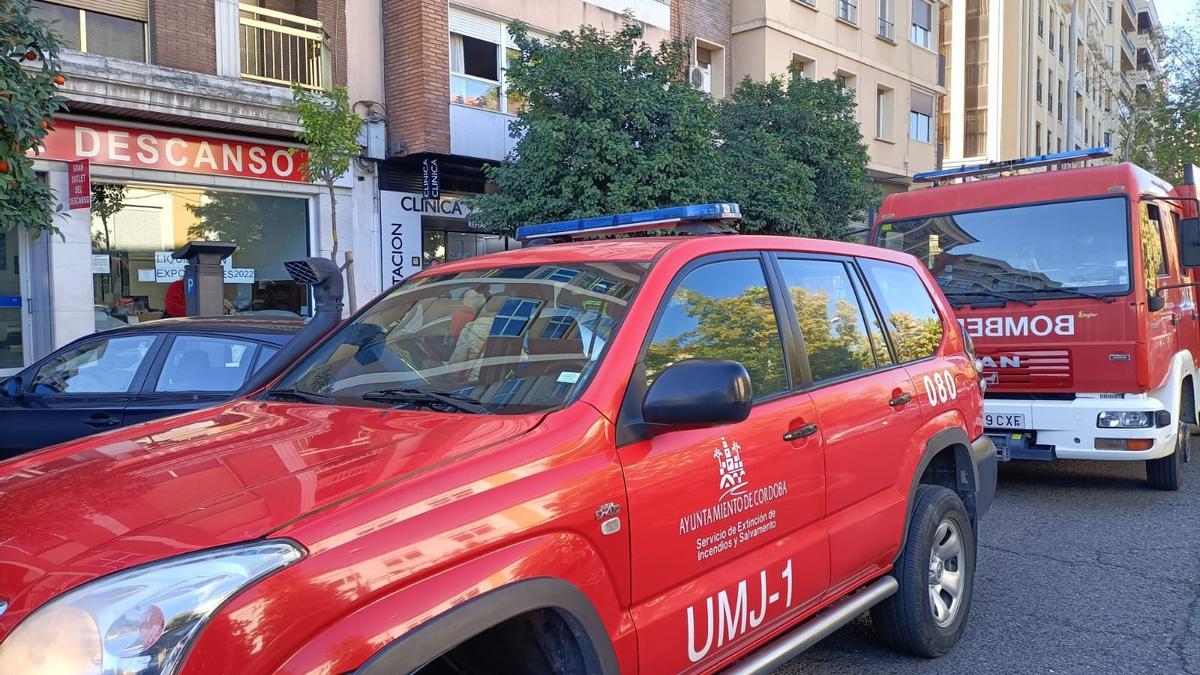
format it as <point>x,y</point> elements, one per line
<point>695,219</point>
<point>1098,152</point>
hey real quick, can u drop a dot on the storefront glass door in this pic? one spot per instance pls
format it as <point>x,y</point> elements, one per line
<point>12,321</point>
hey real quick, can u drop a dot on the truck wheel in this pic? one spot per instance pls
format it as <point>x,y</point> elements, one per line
<point>1163,473</point>
<point>936,571</point>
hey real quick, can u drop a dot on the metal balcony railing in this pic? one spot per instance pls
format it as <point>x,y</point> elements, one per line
<point>887,29</point>
<point>1127,43</point>
<point>281,48</point>
<point>848,11</point>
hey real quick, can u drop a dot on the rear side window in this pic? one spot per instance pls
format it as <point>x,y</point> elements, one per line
<point>722,310</point>
<point>200,363</point>
<point>908,311</point>
<point>836,336</point>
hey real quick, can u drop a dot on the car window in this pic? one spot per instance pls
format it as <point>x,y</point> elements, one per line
<point>264,355</point>
<point>98,367</point>
<point>908,310</point>
<point>835,333</point>
<point>201,363</point>
<point>722,310</point>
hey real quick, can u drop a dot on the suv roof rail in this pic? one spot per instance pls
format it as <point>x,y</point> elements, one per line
<point>695,219</point>
<point>1098,152</point>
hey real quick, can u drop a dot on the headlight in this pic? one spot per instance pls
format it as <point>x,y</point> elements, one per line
<point>139,621</point>
<point>1125,420</point>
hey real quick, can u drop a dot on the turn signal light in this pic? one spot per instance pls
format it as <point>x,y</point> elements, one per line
<point>1136,444</point>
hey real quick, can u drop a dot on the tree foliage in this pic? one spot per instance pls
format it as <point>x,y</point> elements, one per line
<point>29,78</point>
<point>793,157</point>
<point>608,125</point>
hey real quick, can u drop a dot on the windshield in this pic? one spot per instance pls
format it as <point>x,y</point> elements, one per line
<point>1024,251</point>
<point>507,339</point>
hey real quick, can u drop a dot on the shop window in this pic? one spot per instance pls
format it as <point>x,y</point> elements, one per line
<point>922,23</point>
<point>920,116</point>
<point>120,35</point>
<point>136,227</point>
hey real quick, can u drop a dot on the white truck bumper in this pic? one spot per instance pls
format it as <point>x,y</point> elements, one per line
<point>1067,429</point>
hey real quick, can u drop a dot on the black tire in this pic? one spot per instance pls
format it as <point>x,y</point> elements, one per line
<point>1163,473</point>
<point>905,621</point>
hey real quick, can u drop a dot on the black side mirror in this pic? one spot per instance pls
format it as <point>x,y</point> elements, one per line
<point>699,393</point>
<point>1155,302</point>
<point>13,387</point>
<point>1189,242</point>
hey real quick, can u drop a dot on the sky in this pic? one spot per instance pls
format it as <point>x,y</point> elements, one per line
<point>1172,12</point>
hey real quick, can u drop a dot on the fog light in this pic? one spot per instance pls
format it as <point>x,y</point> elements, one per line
<point>1135,444</point>
<point>1124,419</point>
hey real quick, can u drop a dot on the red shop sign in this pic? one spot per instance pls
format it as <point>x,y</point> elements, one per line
<point>156,149</point>
<point>79,185</point>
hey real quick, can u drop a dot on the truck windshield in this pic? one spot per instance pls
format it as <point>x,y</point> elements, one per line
<point>502,340</point>
<point>1076,248</point>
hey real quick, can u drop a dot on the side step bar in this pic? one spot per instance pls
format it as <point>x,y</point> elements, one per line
<point>815,629</point>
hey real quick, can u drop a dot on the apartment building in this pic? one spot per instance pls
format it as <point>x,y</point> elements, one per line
<point>885,51</point>
<point>449,107</point>
<point>178,103</point>
<point>1027,77</point>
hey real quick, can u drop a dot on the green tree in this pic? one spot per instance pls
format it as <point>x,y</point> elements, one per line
<point>609,125</point>
<point>329,129</point>
<point>29,98</point>
<point>107,200</point>
<point>793,157</point>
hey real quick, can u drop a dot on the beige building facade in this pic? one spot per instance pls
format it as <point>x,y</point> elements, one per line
<point>1011,88</point>
<point>886,51</point>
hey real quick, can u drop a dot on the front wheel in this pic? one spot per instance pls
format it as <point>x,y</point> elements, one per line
<point>1163,473</point>
<point>936,572</point>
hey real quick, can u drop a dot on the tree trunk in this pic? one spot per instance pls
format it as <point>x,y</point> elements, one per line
<point>348,266</point>
<point>351,295</point>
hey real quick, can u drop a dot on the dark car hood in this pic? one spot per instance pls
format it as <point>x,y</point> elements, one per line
<point>82,509</point>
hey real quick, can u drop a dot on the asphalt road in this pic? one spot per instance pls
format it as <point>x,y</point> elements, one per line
<point>1081,569</point>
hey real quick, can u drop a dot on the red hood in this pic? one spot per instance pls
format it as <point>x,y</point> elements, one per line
<point>87,508</point>
<point>1056,345</point>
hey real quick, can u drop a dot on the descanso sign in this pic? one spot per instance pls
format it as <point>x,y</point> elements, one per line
<point>1039,325</point>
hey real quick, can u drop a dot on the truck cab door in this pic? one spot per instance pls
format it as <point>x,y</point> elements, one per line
<point>727,522</point>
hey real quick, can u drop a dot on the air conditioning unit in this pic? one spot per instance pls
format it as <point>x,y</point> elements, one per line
<point>701,77</point>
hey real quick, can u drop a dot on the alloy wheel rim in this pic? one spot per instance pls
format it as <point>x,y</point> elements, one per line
<point>946,573</point>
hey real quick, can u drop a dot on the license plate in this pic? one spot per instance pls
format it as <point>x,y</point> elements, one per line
<point>1004,420</point>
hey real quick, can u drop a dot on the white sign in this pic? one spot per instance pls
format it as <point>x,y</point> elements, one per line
<point>167,270</point>
<point>146,276</point>
<point>101,263</point>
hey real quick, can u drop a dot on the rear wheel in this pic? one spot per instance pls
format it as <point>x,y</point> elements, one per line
<point>1163,473</point>
<point>936,571</point>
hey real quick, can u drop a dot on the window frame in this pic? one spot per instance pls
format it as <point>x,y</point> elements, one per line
<point>83,41</point>
<point>927,33</point>
<point>135,384</point>
<point>150,383</point>
<point>502,49</point>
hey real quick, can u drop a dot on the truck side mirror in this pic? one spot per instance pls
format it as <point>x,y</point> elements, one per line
<point>1155,302</point>
<point>1189,242</point>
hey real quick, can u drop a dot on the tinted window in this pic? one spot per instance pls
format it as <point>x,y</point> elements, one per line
<point>835,333</point>
<point>100,367</point>
<point>722,310</point>
<point>197,363</point>
<point>908,311</point>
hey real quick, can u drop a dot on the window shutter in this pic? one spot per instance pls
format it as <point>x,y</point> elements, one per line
<point>475,26</point>
<point>922,13</point>
<point>138,10</point>
<point>922,102</point>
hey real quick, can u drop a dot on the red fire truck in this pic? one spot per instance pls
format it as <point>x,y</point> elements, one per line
<point>1077,287</point>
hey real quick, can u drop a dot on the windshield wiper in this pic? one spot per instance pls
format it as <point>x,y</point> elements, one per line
<point>301,395</point>
<point>1074,291</point>
<point>428,397</point>
<point>991,293</point>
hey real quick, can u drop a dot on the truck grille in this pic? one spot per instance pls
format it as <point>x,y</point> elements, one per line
<point>1033,368</point>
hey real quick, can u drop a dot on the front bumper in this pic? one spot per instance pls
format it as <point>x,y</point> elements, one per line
<point>1067,429</point>
<point>984,457</point>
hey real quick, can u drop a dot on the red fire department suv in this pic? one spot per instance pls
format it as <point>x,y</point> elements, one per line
<point>647,455</point>
<point>1077,288</point>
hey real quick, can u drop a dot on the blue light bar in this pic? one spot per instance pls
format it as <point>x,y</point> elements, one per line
<point>641,221</point>
<point>1098,152</point>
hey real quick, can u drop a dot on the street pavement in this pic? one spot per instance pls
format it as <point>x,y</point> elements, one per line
<point>1081,569</point>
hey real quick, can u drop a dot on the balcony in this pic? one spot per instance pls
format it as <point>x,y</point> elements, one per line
<point>1128,53</point>
<point>1146,60</point>
<point>1128,15</point>
<point>886,30</point>
<point>280,48</point>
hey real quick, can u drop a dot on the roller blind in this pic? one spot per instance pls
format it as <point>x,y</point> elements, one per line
<point>922,102</point>
<point>138,10</point>
<point>475,26</point>
<point>922,13</point>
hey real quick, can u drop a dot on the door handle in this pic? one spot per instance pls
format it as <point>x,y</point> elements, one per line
<point>800,432</point>
<point>100,421</point>
<point>900,400</point>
